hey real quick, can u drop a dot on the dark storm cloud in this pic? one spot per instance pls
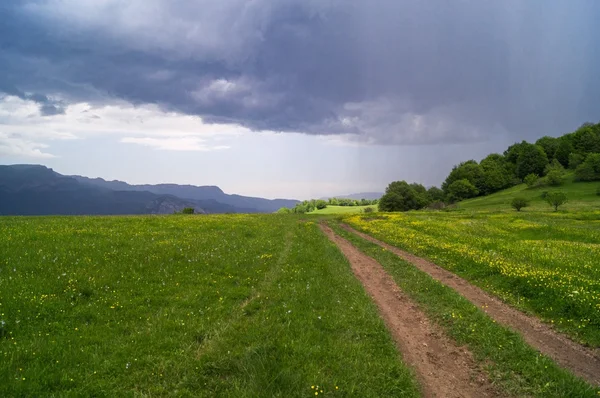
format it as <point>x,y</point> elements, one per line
<point>388,71</point>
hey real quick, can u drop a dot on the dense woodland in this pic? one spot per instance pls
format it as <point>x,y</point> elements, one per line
<point>543,163</point>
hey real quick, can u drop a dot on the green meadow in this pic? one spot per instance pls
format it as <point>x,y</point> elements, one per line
<point>231,305</point>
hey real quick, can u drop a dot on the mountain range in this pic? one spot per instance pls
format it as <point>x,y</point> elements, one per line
<point>38,190</point>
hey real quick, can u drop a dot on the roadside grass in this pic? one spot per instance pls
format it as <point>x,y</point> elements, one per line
<point>514,366</point>
<point>581,195</point>
<point>342,209</point>
<point>543,263</point>
<point>235,305</point>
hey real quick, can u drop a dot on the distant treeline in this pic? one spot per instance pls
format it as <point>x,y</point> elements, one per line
<point>316,204</point>
<point>542,163</point>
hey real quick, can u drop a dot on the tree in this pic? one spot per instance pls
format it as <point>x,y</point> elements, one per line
<point>401,196</point>
<point>564,149</point>
<point>575,159</point>
<point>461,189</point>
<point>512,152</point>
<point>284,210</point>
<point>187,210</point>
<point>532,159</point>
<point>556,199</point>
<point>469,170</point>
<point>530,179</point>
<point>497,174</point>
<point>519,203</point>
<point>589,170</point>
<point>587,139</point>
<point>550,144</point>
<point>436,194</point>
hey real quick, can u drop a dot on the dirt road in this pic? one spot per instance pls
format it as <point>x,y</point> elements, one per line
<point>443,368</point>
<point>582,361</point>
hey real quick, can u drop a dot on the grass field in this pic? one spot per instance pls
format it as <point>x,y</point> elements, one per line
<point>238,305</point>
<point>342,209</point>
<point>545,263</point>
<point>581,195</point>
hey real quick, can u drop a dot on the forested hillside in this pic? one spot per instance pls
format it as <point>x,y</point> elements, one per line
<point>543,163</point>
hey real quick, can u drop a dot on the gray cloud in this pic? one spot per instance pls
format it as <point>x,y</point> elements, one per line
<point>407,72</point>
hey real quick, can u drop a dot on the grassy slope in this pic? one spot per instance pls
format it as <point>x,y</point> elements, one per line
<point>342,209</point>
<point>517,368</point>
<point>236,305</point>
<point>582,196</point>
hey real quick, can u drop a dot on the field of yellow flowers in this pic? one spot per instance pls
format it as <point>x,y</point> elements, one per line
<point>545,263</point>
<point>231,305</point>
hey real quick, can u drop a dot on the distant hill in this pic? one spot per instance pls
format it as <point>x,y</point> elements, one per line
<point>358,196</point>
<point>242,204</point>
<point>38,190</point>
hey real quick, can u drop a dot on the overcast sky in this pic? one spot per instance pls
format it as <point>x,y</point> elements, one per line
<point>289,98</point>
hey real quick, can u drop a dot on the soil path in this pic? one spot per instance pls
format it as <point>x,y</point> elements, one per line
<point>582,361</point>
<point>443,368</point>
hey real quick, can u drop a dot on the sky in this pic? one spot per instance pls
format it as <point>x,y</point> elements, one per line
<point>289,98</point>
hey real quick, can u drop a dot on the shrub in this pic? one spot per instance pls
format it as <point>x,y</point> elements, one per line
<point>598,191</point>
<point>544,194</point>
<point>530,179</point>
<point>368,210</point>
<point>187,210</point>
<point>320,204</point>
<point>556,199</point>
<point>519,203</point>
<point>589,170</point>
<point>437,205</point>
<point>555,178</point>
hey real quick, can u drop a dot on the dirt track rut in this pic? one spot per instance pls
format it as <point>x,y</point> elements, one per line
<point>443,368</point>
<point>582,361</point>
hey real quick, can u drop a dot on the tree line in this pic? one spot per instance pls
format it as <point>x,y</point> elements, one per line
<point>317,204</point>
<point>537,164</point>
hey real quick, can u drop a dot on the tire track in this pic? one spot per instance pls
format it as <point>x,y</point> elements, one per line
<point>443,368</point>
<point>582,361</point>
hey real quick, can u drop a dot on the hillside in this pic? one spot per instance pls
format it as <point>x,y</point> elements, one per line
<point>582,195</point>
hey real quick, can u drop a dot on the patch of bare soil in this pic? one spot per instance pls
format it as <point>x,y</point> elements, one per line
<point>582,361</point>
<point>443,368</point>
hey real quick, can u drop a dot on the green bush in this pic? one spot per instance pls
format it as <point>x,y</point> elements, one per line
<point>320,204</point>
<point>556,199</point>
<point>368,210</point>
<point>555,178</point>
<point>519,203</point>
<point>575,159</point>
<point>531,179</point>
<point>461,189</point>
<point>598,191</point>
<point>187,210</point>
<point>589,170</point>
